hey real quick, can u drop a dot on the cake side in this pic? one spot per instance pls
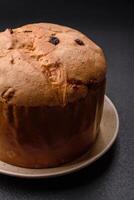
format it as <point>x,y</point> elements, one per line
<point>46,136</point>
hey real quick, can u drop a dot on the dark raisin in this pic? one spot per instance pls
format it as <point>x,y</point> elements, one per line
<point>27,31</point>
<point>10,30</point>
<point>79,42</point>
<point>54,40</point>
<point>12,61</point>
<point>75,82</point>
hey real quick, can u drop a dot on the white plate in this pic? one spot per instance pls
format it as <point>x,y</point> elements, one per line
<point>108,133</point>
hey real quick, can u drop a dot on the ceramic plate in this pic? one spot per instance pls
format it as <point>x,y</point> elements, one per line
<point>108,133</point>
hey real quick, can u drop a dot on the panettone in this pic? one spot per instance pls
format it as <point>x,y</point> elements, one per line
<point>52,86</point>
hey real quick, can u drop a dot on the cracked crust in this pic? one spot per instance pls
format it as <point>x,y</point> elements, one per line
<point>42,73</point>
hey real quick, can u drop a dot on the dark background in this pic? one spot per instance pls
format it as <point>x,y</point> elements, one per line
<point>111,25</point>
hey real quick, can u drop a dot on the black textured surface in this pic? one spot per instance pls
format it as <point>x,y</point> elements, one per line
<point>110,25</point>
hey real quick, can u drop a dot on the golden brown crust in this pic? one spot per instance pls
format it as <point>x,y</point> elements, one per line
<point>39,61</point>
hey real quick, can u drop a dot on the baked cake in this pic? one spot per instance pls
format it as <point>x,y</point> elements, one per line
<point>52,86</point>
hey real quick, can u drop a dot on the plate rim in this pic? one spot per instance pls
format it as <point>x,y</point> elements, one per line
<point>72,168</point>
